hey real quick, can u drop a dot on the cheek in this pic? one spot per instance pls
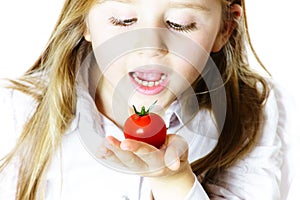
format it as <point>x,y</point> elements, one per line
<point>191,66</point>
<point>114,73</point>
<point>206,42</point>
<point>184,75</point>
<point>97,21</point>
<point>188,72</point>
<point>98,36</point>
<point>206,36</point>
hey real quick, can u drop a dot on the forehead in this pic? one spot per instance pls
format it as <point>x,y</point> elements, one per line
<point>201,4</point>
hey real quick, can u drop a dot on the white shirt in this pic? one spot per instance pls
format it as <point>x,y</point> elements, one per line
<point>265,173</point>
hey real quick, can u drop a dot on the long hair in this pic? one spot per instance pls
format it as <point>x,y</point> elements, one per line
<point>246,93</point>
<point>51,81</point>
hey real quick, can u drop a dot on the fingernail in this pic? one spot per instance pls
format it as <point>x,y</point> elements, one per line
<point>123,146</point>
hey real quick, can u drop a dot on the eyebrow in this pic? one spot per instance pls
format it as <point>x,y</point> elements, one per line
<point>196,6</point>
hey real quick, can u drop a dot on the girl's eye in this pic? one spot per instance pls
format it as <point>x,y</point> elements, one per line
<point>122,22</point>
<point>181,27</point>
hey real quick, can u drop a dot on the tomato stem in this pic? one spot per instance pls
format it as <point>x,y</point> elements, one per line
<point>143,110</point>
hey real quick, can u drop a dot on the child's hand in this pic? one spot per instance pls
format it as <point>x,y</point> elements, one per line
<point>141,158</point>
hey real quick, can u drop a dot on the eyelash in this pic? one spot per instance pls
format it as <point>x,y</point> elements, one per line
<point>180,27</point>
<point>172,25</point>
<point>120,22</point>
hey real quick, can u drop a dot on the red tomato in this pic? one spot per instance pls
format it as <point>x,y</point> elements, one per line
<point>146,127</point>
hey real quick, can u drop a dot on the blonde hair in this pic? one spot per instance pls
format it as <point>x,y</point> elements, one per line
<point>51,81</point>
<point>246,92</point>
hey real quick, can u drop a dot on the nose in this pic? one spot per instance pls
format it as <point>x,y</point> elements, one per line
<point>151,42</point>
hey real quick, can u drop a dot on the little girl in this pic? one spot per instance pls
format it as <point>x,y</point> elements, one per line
<point>64,117</point>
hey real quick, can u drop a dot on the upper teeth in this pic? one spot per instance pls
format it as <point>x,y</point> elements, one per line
<point>149,83</point>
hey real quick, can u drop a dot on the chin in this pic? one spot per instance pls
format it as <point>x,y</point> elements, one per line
<point>164,99</point>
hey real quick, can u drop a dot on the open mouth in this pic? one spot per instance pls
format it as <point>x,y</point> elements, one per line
<point>149,82</point>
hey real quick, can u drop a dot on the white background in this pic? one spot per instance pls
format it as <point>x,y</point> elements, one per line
<point>274,29</point>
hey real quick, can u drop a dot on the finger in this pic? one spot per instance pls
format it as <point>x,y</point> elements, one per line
<point>172,160</point>
<point>137,147</point>
<point>176,152</point>
<point>179,143</point>
<point>152,156</point>
<point>109,159</point>
<point>110,155</point>
<point>128,158</point>
<point>112,140</point>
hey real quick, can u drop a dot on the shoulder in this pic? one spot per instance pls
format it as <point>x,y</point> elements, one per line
<point>280,106</point>
<point>12,100</point>
<point>277,110</point>
<point>16,108</point>
<point>281,112</point>
<point>22,104</point>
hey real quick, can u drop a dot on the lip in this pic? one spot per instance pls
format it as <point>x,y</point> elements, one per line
<point>149,82</point>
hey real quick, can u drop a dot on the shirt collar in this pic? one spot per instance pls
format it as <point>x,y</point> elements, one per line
<point>86,80</point>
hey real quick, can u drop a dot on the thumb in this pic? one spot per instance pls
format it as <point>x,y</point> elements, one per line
<point>176,152</point>
<point>172,160</point>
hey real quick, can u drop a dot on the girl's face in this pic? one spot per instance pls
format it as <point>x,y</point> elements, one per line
<point>159,73</point>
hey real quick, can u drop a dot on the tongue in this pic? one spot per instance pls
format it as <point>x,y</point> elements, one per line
<point>149,76</point>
